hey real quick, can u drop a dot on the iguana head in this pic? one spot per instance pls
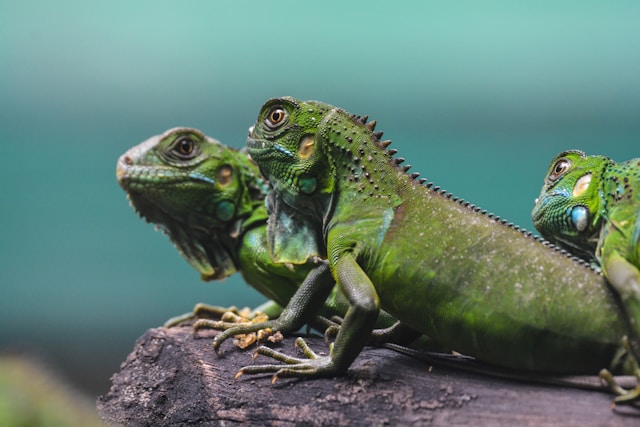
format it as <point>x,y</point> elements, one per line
<point>283,142</point>
<point>305,147</point>
<point>568,211</point>
<point>198,191</point>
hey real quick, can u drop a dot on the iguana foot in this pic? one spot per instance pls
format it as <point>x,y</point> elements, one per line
<point>246,327</point>
<point>201,311</point>
<point>313,366</point>
<point>625,396</point>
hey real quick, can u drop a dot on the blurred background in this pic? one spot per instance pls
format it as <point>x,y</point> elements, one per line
<point>477,96</point>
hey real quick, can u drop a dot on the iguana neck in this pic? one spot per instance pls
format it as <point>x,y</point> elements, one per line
<point>620,184</point>
<point>359,162</point>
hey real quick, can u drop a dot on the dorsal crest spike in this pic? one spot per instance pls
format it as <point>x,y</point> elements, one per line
<point>378,134</point>
<point>398,160</point>
<point>392,151</point>
<point>385,143</point>
<point>371,125</point>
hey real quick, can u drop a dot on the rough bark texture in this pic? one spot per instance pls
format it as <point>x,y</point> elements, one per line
<point>172,379</point>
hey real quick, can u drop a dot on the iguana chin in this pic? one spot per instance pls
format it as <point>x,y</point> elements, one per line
<point>467,279</point>
<point>591,206</point>
<point>209,200</point>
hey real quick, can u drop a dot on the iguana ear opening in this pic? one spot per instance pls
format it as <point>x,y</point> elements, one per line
<point>582,184</point>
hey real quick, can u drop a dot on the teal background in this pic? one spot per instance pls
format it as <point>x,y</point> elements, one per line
<point>477,96</point>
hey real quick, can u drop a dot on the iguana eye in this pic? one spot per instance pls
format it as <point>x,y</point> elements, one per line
<point>275,117</point>
<point>559,168</point>
<point>184,147</point>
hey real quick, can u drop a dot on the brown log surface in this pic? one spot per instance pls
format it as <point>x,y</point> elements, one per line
<point>173,379</point>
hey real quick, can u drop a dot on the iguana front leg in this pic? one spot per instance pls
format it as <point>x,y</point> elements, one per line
<point>352,336</point>
<point>302,308</point>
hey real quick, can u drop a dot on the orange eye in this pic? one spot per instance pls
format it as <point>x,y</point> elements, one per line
<point>275,117</point>
<point>559,168</point>
<point>225,175</point>
<point>184,147</point>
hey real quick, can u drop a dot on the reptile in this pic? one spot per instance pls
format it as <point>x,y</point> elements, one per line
<point>172,176</point>
<point>209,199</point>
<point>467,279</point>
<point>590,205</point>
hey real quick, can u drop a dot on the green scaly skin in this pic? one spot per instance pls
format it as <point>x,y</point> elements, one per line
<point>209,200</point>
<point>590,205</point>
<point>468,280</point>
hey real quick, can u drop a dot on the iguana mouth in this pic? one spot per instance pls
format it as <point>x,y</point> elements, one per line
<point>258,144</point>
<point>131,176</point>
<point>542,203</point>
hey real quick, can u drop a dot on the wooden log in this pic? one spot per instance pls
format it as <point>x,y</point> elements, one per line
<point>174,379</point>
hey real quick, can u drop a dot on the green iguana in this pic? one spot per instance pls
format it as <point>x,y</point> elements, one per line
<point>209,200</point>
<point>590,205</point>
<point>468,280</point>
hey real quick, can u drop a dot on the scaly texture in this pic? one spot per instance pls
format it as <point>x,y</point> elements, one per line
<point>591,206</point>
<point>209,199</point>
<point>466,279</point>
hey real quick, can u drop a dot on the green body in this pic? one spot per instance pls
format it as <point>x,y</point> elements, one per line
<point>209,199</point>
<point>469,281</point>
<point>591,206</point>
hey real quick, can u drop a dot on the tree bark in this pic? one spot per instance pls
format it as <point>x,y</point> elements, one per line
<point>174,379</point>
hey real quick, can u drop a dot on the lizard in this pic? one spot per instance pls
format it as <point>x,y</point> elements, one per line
<point>209,199</point>
<point>590,205</point>
<point>467,279</point>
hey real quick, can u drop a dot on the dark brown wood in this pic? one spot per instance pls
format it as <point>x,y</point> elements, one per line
<point>174,379</point>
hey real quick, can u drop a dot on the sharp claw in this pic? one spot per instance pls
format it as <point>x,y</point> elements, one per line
<point>216,347</point>
<point>274,379</point>
<point>238,374</point>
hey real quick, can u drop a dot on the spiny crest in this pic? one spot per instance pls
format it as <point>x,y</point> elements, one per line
<point>430,185</point>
